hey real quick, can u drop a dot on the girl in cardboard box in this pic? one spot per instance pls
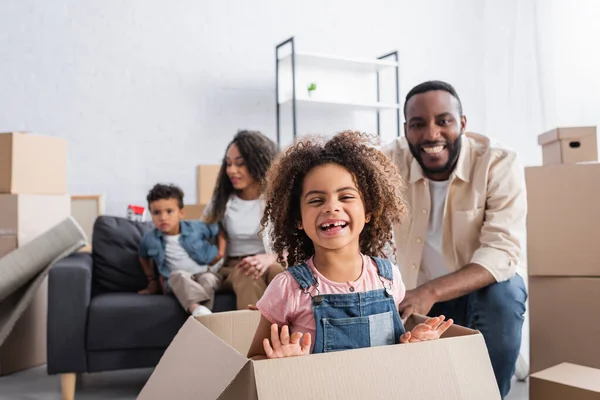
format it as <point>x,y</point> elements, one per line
<point>332,205</point>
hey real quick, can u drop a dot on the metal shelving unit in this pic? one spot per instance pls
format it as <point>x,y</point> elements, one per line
<point>296,59</point>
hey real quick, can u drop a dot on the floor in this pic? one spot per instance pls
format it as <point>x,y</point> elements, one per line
<point>35,384</point>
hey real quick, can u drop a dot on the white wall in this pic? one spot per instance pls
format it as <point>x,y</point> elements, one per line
<point>568,34</point>
<point>145,90</point>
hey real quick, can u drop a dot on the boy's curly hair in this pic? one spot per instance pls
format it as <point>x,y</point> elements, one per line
<point>165,192</point>
<point>376,177</point>
<point>258,151</point>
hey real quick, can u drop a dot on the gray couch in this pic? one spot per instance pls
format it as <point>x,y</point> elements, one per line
<point>96,319</point>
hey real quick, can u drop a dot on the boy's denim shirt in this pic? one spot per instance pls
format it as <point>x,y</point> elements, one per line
<point>194,239</point>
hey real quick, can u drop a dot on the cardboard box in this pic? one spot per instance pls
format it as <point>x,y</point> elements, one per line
<point>25,347</point>
<point>206,181</point>
<point>32,164</point>
<point>569,145</point>
<point>7,244</point>
<point>193,211</point>
<point>565,381</point>
<point>563,320</point>
<point>207,360</point>
<point>86,209</point>
<point>563,219</point>
<point>29,215</point>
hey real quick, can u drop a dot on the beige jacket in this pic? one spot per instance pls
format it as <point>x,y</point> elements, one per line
<point>484,215</point>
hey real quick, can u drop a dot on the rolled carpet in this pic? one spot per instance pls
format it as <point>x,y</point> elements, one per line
<point>23,270</point>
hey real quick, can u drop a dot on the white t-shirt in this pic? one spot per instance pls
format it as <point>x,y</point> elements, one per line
<point>432,263</point>
<point>242,224</point>
<point>177,259</point>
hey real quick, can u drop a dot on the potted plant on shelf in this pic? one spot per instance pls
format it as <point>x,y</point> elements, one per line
<point>311,88</point>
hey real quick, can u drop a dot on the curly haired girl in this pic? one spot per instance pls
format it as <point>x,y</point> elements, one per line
<point>332,204</point>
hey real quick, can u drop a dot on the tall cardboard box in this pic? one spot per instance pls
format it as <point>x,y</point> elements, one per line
<point>454,367</point>
<point>569,145</point>
<point>32,164</point>
<point>565,381</point>
<point>193,212</point>
<point>206,180</point>
<point>25,346</point>
<point>22,218</point>
<point>8,243</point>
<point>563,250</point>
<point>28,215</point>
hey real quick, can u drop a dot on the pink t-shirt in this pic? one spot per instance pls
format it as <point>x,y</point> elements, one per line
<point>284,303</point>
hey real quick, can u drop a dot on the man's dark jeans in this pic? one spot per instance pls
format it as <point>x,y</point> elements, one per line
<point>497,312</point>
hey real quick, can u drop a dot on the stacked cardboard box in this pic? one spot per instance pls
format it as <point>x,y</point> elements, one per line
<point>569,145</point>
<point>206,180</point>
<point>565,381</point>
<point>33,198</point>
<point>563,246</point>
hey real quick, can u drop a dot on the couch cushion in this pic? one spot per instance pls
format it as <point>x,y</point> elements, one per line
<point>225,300</point>
<point>115,244</point>
<point>118,321</point>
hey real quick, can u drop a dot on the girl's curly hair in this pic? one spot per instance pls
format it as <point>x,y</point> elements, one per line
<point>376,177</point>
<point>258,151</point>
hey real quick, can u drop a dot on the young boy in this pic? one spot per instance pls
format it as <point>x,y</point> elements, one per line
<point>182,251</point>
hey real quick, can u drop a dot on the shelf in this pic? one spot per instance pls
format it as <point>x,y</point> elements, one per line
<point>341,105</point>
<point>355,64</point>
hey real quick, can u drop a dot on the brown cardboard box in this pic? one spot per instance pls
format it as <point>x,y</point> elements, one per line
<point>572,299</point>
<point>569,145</point>
<point>454,367</point>
<point>206,181</point>
<point>32,164</point>
<point>193,211</point>
<point>25,347</point>
<point>563,254</point>
<point>24,217</point>
<point>7,244</point>
<point>29,215</point>
<point>565,382</point>
<point>562,220</point>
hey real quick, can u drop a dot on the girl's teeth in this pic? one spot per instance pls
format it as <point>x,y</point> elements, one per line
<point>334,224</point>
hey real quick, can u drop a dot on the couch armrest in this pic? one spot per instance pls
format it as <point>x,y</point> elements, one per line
<point>69,296</point>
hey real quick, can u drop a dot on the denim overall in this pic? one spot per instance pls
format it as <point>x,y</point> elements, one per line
<point>352,320</point>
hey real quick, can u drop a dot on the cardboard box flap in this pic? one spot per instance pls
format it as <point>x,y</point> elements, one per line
<point>566,134</point>
<point>243,386</point>
<point>236,328</point>
<point>572,375</point>
<point>196,365</point>
<point>458,367</point>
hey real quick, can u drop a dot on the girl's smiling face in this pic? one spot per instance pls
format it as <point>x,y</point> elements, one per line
<point>332,208</point>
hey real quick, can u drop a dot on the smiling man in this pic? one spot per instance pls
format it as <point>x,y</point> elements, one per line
<point>459,251</point>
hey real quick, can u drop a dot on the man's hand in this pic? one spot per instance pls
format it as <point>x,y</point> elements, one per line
<point>256,265</point>
<point>285,346</point>
<point>152,288</point>
<point>416,301</point>
<point>431,329</point>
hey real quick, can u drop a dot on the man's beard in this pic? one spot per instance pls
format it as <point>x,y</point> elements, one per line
<point>453,153</point>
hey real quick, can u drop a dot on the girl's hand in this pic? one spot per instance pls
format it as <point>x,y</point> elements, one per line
<point>284,345</point>
<point>431,329</point>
